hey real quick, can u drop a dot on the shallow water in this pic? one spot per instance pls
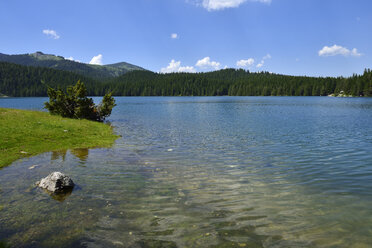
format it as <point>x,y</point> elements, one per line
<point>204,172</point>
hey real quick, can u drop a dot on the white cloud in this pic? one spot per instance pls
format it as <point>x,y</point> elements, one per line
<point>211,5</point>
<point>354,52</point>
<point>262,62</point>
<point>207,63</point>
<point>267,56</point>
<point>51,33</point>
<point>174,36</point>
<point>72,59</point>
<point>175,66</point>
<point>245,62</point>
<point>338,50</point>
<point>96,60</point>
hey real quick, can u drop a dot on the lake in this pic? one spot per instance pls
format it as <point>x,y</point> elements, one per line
<point>204,172</point>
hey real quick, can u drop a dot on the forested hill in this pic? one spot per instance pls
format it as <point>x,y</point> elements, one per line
<point>236,83</point>
<point>60,63</point>
<point>17,80</point>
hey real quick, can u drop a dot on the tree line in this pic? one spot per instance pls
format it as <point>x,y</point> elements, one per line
<point>22,81</point>
<point>236,82</point>
<point>17,80</point>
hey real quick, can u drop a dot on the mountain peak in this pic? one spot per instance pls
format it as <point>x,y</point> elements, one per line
<point>43,56</point>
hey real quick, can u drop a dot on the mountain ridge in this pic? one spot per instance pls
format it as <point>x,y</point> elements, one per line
<point>40,59</point>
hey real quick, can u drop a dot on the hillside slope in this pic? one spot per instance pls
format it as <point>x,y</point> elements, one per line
<point>60,63</point>
<point>19,80</point>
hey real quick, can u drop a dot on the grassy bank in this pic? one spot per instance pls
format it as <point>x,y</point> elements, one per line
<point>26,133</point>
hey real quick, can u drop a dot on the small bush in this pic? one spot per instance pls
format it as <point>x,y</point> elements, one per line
<point>75,103</point>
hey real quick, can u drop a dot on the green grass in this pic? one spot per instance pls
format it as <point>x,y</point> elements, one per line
<point>25,133</point>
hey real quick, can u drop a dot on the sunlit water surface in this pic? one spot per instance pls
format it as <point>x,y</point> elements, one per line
<point>204,172</point>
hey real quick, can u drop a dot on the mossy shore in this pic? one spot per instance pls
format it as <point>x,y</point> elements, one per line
<point>25,133</point>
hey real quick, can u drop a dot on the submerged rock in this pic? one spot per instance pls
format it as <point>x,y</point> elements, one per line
<point>56,182</point>
<point>61,197</point>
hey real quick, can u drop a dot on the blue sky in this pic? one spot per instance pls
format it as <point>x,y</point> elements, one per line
<point>296,37</point>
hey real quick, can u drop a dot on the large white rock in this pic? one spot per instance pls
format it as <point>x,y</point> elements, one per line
<point>56,182</point>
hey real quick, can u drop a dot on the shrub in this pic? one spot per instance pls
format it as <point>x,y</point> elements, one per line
<point>75,103</point>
